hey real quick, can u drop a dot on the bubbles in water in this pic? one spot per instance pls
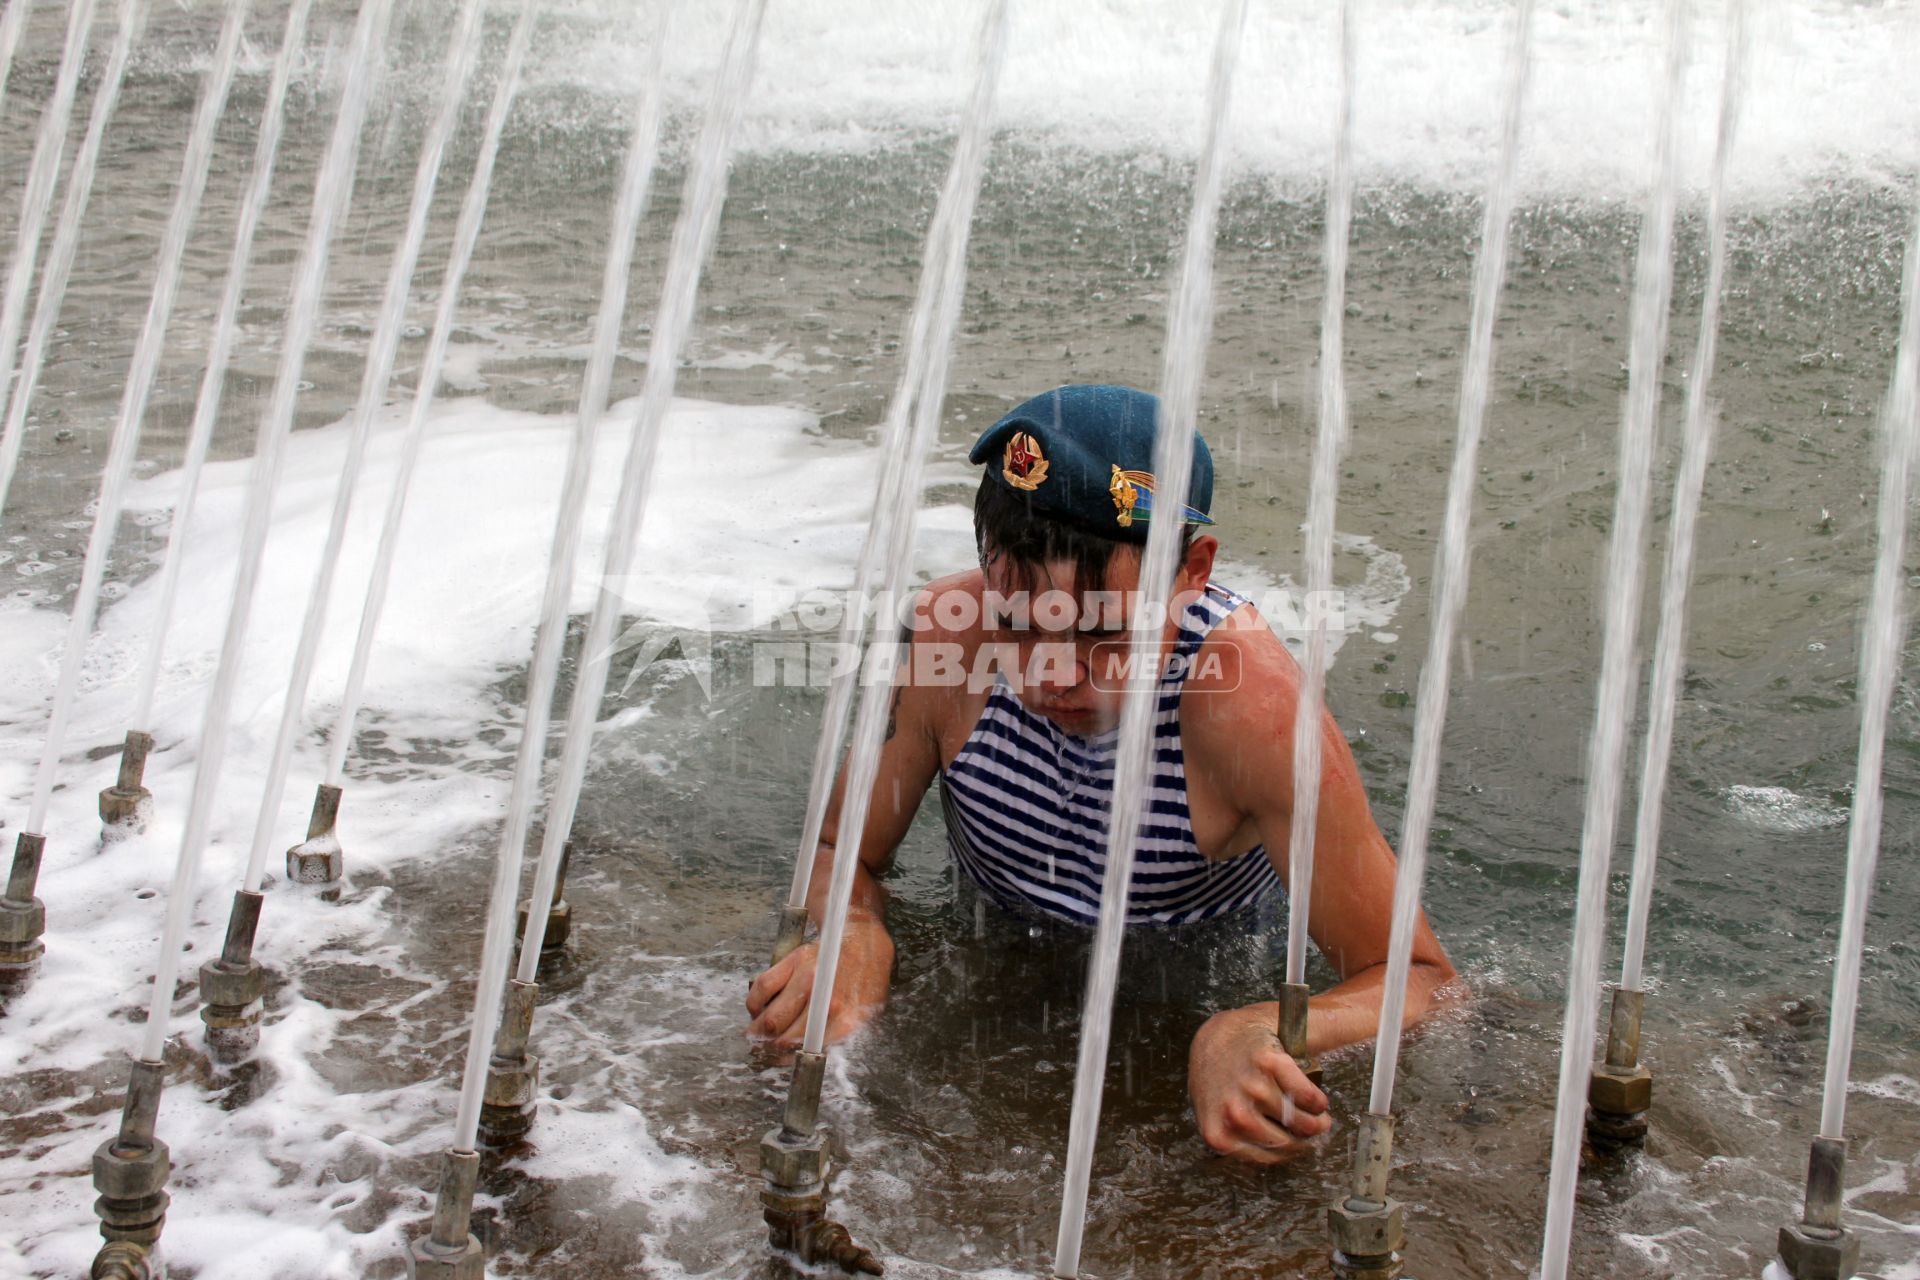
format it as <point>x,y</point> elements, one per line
<point>1781,811</point>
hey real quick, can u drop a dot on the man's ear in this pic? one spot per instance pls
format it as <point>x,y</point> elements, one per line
<point>1196,567</point>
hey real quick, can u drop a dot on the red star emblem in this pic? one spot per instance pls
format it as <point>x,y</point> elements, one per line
<point>1019,457</point>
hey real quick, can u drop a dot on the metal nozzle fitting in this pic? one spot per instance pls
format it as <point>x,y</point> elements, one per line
<point>1819,1247</point>
<point>553,939</point>
<point>126,803</point>
<point>121,1260</point>
<point>513,1075</point>
<point>1369,1226</point>
<point>803,1095</point>
<point>793,1155</point>
<point>1809,1253</point>
<point>233,986</point>
<point>791,933</point>
<point>450,1251</point>
<point>231,1000</point>
<point>1367,1239</point>
<point>793,1199</point>
<point>1620,1090</point>
<point>318,859</point>
<point>794,1166</point>
<point>809,1235</point>
<point>23,917</point>
<point>130,1169</point>
<point>1293,1029</point>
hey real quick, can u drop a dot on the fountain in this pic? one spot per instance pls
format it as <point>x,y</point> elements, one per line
<point>622,1151</point>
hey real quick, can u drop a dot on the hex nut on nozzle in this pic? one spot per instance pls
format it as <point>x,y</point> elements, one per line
<point>127,802</point>
<point>512,1083</point>
<point>1618,1091</point>
<point>318,859</point>
<point>130,1175</point>
<point>132,1185</point>
<point>793,1166</point>
<point>316,862</point>
<point>507,1107</point>
<point>429,1261</point>
<point>21,926</point>
<point>126,810</point>
<point>231,987</point>
<point>1364,1230</point>
<point>1811,1253</point>
<point>559,925</point>
<point>1387,1268</point>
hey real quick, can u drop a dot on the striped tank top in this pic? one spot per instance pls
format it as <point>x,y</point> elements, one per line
<point>1026,806</point>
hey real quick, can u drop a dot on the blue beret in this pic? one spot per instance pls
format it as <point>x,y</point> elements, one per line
<point>1084,453</point>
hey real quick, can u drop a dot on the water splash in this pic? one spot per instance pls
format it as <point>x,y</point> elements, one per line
<point>465,235</point>
<point>1670,643</point>
<point>36,202</point>
<point>1450,572</point>
<point>1614,701</point>
<point>1189,322</point>
<point>133,402</point>
<point>273,119</point>
<point>463,53</point>
<point>1879,669</point>
<point>1331,444</point>
<point>66,234</point>
<point>693,235</point>
<point>935,320</point>
<point>333,192</point>
<point>11,24</point>
<point>636,181</point>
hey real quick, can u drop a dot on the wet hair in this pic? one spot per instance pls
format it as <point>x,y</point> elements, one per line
<point>1007,525</point>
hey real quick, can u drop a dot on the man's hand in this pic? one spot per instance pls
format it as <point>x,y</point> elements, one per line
<point>779,997</point>
<point>1250,1099</point>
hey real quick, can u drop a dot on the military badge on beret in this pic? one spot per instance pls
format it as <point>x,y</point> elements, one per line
<point>1131,490</point>
<point>1068,451</point>
<point>1023,466</point>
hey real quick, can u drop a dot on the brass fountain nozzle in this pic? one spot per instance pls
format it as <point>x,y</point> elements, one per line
<point>794,1167</point>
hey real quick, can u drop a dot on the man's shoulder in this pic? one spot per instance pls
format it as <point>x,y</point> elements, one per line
<point>1262,663</point>
<point>1242,680</point>
<point>950,610</point>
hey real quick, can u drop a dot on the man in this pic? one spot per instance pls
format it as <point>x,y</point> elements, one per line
<point>1025,760</point>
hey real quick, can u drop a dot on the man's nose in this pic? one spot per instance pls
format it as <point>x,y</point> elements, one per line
<point>1056,666</point>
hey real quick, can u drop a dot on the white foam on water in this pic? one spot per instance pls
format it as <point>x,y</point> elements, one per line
<point>750,502</point>
<point>1830,84</point>
<point>1782,811</point>
<point>1365,607</point>
<point>1898,1088</point>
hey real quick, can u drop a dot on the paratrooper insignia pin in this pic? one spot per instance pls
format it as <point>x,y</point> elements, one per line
<point>1132,491</point>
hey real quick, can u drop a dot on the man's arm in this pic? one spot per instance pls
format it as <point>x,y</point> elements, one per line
<point>1244,740</point>
<point>778,999</point>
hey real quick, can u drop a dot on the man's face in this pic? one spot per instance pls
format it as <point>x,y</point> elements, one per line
<point>1072,644</point>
